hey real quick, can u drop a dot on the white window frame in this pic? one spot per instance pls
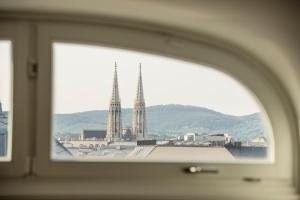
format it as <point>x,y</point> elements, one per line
<point>32,123</point>
<point>242,67</point>
<point>19,164</point>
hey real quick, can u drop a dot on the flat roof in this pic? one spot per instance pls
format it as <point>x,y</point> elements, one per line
<point>190,154</point>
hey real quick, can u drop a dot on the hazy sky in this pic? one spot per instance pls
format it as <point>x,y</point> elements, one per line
<point>5,73</point>
<point>83,77</point>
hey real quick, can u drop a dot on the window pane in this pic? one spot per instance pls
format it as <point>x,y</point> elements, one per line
<point>5,100</point>
<point>115,104</point>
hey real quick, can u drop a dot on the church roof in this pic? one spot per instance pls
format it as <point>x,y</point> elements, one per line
<point>98,134</point>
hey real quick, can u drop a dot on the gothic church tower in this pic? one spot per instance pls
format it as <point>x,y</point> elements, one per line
<point>139,111</point>
<point>114,122</point>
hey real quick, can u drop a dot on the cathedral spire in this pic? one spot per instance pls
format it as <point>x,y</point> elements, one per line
<point>114,122</point>
<point>115,92</point>
<point>139,111</point>
<point>140,92</point>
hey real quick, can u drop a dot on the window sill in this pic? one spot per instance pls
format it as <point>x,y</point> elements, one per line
<point>190,188</point>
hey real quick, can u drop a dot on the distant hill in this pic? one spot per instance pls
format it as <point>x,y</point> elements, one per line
<point>168,120</point>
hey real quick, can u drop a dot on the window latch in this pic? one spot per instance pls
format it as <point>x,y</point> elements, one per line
<point>32,68</point>
<point>197,169</point>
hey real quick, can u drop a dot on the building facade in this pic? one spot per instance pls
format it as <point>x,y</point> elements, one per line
<point>93,135</point>
<point>114,122</point>
<point>219,140</point>
<point>139,111</point>
<point>127,134</point>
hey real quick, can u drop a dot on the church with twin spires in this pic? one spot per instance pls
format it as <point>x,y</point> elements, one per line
<point>114,120</point>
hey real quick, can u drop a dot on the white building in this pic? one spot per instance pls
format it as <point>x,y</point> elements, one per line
<point>189,137</point>
<point>258,142</point>
<point>219,139</point>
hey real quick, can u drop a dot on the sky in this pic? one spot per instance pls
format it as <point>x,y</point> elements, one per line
<point>83,78</point>
<point>5,73</point>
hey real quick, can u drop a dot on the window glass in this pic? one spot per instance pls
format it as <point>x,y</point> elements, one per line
<point>5,100</point>
<point>116,104</point>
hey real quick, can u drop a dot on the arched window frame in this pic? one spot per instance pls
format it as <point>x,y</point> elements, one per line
<point>247,70</point>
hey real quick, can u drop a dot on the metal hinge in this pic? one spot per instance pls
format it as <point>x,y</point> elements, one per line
<point>32,68</point>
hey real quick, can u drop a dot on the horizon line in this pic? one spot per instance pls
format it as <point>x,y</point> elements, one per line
<point>66,113</point>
